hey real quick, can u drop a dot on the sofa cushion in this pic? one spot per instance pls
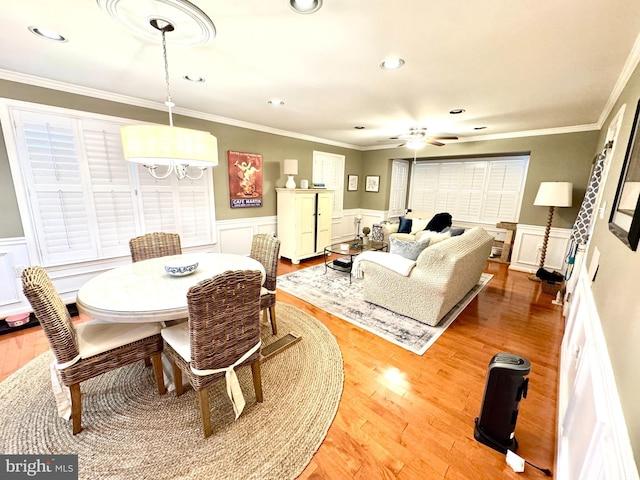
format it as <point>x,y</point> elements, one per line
<point>418,225</point>
<point>410,250</point>
<point>439,222</point>
<point>405,225</point>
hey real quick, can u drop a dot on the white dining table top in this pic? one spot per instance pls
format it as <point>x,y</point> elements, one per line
<point>144,292</point>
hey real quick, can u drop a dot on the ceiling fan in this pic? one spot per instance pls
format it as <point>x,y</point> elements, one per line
<point>417,138</point>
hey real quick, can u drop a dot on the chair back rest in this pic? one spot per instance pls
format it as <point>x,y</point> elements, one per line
<point>224,318</point>
<point>154,245</point>
<point>51,312</point>
<point>265,248</point>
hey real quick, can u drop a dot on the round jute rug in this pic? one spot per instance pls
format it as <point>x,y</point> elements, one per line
<point>131,432</point>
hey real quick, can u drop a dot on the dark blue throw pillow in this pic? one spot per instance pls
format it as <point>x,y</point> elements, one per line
<point>405,225</point>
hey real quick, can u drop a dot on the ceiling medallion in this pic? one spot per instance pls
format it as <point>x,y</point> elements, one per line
<point>192,26</point>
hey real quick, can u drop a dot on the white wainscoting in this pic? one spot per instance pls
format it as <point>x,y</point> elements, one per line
<point>528,243</point>
<point>234,236</point>
<point>593,440</point>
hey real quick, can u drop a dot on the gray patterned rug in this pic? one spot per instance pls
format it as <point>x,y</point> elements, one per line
<point>333,293</point>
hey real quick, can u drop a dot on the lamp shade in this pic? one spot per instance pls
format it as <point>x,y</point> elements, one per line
<point>290,166</point>
<point>554,194</point>
<point>165,145</point>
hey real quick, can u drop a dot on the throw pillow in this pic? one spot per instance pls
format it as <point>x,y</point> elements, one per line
<point>410,250</point>
<point>439,222</point>
<point>405,225</point>
<point>418,225</point>
<point>434,237</point>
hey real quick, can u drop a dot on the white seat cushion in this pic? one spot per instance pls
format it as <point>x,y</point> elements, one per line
<point>177,336</point>
<point>95,337</point>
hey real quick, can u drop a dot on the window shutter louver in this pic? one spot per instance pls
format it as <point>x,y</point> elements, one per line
<point>328,168</point>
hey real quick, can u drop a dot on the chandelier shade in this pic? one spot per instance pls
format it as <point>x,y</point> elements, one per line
<point>166,145</point>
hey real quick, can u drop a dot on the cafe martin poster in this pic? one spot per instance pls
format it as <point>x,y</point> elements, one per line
<point>245,179</point>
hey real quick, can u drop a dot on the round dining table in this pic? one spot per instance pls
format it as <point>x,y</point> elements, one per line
<point>144,292</point>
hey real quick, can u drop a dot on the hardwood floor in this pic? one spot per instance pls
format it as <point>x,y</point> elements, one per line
<point>404,416</point>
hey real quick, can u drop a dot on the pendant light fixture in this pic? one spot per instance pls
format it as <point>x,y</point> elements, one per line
<point>180,150</point>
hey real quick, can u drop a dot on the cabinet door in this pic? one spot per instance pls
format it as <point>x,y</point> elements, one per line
<point>305,223</point>
<point>325,207</point>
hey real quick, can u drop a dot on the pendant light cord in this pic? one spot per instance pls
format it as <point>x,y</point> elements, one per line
<point>169,103</point>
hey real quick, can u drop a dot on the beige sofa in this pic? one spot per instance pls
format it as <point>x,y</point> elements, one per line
<point>423,218</point>
<point>443,274</point>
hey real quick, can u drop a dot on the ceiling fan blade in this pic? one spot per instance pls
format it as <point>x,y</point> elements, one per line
<point>435,142</point>
<point>451,137</point>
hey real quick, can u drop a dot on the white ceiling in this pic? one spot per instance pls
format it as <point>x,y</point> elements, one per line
<point>514,65</point>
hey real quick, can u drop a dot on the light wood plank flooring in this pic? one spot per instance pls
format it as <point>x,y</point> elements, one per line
<point>408,417</point>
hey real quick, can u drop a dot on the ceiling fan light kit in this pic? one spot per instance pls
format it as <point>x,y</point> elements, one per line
<point>305,6</point>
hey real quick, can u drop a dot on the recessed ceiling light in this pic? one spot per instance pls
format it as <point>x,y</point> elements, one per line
<point>305,6</point>
<point>47,33</point>
<point>479,128</point>
<point>194,78</point>
<point>392,64</point>
<point>359,127</point>
<point>276,102</point>
<point>457,111</point>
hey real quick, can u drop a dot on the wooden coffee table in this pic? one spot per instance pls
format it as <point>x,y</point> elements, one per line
<point>346,251</point>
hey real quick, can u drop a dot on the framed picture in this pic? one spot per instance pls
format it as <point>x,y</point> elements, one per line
<point>624,222</point>
<point>372,183</point>
<point>245,179</point>
<point>352,184</point>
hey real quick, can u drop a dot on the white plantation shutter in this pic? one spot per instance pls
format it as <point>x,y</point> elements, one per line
<point>112,188</point>
<point>328,168</point>
<point>194,215</point>
<point>476,190</point>
<point>86,202</point>
<point>57,190</point>
<point>424,187</point>
<point>399,185</point>
<point>504,190</point>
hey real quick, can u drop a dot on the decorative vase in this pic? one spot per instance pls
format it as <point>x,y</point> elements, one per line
<point>365,240</point>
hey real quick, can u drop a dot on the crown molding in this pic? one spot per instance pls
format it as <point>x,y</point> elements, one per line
<point>114,97</point>
<point>628,69</point>
<point>630,65</point>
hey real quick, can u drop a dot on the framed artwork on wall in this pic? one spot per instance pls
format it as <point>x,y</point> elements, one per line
<point>372,183</point>
<point>352,183</point>
<point>245,179</point>
<point>624,221</point>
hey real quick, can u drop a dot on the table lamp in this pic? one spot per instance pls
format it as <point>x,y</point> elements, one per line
<point>552,195</point>
<point>291,169</point>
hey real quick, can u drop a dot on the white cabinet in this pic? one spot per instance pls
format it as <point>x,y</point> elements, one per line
<point>304,222</point>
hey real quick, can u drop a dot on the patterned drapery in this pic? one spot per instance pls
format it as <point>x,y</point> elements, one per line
<point>582,225</point>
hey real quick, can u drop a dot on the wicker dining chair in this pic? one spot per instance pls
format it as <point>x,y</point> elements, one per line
<point>223,329</point>
<point>90,348</point>
<point>154,245</point>
<point>265,248</point>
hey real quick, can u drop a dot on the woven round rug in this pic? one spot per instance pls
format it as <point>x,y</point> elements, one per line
<point>129,431</point>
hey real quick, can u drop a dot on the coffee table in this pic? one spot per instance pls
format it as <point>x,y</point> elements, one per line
<point>348,250</point>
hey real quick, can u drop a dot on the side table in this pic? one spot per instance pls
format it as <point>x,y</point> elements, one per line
<point>348,250</point>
